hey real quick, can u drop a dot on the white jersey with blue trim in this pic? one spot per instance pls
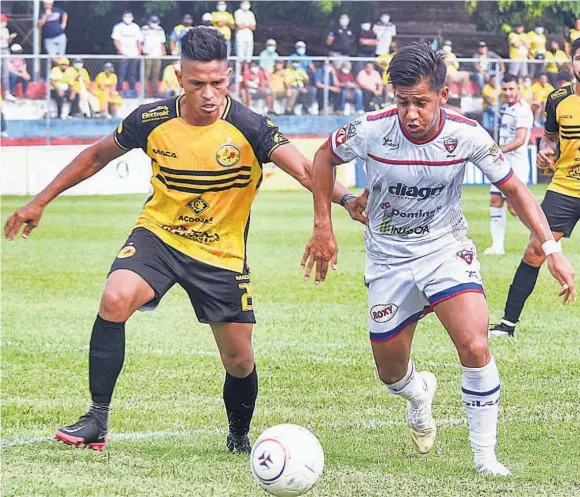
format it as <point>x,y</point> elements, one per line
<point>518,115</point>
<point>414,206</point>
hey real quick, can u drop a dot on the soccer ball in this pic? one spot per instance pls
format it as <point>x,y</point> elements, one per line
<point>287,460</point>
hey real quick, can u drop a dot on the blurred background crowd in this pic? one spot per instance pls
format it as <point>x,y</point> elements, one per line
<point>342,70</point>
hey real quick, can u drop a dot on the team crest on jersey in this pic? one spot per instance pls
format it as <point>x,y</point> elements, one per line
<point>450,145</point>
<point>574,172</point>
<point>198,206</point>
<point>127,251</point>
<point>466,255</point>
<point>228,155</point>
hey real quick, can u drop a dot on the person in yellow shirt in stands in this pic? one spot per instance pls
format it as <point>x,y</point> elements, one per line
<point>541,89</point>
<point>574,35</point>
<point>62,86</point>
<point>384,61</point>
<point>105,89</point>
<point>224,22</point>
<point>296,85</point>
<point>556,64</point>
<point>526,90</point>
<point>489,100</point>
<point>519,48</point>
<point>537,41</point>
<point>169,83</point>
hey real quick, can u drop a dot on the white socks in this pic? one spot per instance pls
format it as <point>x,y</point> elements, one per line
<point>498,223</point>
<point>411,387</point>
<point>480,389</point>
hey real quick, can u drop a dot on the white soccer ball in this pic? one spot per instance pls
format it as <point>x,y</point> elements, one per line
<point>287,460</point>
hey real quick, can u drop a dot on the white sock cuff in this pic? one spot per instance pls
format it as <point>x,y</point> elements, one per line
<point>481,382</point>
<point>404,381</point>
<point>497,211</point>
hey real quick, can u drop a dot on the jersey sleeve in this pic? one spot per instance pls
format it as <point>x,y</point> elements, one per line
<point>551,126</point>
<point>489,159</point>
<point>525,118</point>
<point>129,134</point>
<point>348,141</point>
<point>270,139</point>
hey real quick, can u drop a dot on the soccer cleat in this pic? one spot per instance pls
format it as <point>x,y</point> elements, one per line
<point>422,427</point>
<point>502,330</point>
<point>492,468</point>
<point>89,431</point>
<point>494,251</point>
<point>238,444</point>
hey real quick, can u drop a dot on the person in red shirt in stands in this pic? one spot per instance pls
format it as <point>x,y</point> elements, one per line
<point>255,85</point>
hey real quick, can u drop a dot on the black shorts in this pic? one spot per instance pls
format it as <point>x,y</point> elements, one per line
<point>562,212</point>
<point>217,295</point>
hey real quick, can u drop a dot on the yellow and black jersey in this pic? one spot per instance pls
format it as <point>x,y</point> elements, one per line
<point>563,118</point>
<point>204,178</point>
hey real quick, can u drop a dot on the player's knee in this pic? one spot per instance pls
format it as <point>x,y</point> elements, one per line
<point>534,255</point>
<point>116,304</point>
<point>495,201</point>
<point>474,353</point>
<point>238,363</point>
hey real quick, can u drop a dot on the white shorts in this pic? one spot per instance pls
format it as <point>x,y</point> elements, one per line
<point>521,170</point>
<point>402,293</point>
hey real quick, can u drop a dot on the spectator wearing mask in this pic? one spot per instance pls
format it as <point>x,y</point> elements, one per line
<point>341,38</point>
<point>372,87</point>
<point>62,81</point>
<point>537,42</point>
<point>526,90</point>
<point>385,31</point>
<point>52,21</point>
<point>128,39</point>
<point>17,70</point>
<point>278,83</point>
<point>88,103</point>
<point>487,61</point>
<point>169,82</point>
<point>384,61</point>
<point>245,27</point>
<point>556,62</point>
<point>206,20</point>
<point>268,56</point>
<point>367,44</point>
<point>541,89</point>
<point>349,90</point>
<point>454,75</point>
<point>224,22</point>
<point>178,32</point>
<point>296,86</point>
<point>83,78</point>
<point>153,47</point>
<point>5,39</point>
<point>255,85</point>
<point>518,52</point>
<point>574,35</point>
<point>306,64</point>
<point>105,89</point>
<point>334,90</point>
<point>489,100</point>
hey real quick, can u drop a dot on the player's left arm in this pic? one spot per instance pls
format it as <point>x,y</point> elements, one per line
<point>288,158</point>
<point>517,142</point>
<point>531,214</point>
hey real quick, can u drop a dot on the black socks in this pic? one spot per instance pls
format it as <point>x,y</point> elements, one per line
<point>520,289</point>
<point>240,398</point>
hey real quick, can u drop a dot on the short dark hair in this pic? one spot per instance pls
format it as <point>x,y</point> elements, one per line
<point>510,78</point>
<point>416,62</point>
<point>204,43</point>
<point>575,46</point>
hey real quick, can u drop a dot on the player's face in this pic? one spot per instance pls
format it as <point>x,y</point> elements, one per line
<point>576,65</point>
<point>205,85</point>
<point>419,108</point>
<point>510,92</point>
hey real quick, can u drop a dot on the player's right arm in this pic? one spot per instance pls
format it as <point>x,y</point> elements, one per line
<point>89,162</point>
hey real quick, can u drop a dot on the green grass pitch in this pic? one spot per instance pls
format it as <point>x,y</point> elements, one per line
<point>167,432</point>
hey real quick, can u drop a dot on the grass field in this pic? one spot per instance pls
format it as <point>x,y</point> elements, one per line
<point>167,432</point>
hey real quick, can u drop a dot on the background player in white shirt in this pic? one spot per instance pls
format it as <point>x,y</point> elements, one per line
<point>419,258</point>
<point>516,124</point>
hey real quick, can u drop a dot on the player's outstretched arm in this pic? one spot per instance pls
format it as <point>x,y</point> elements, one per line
<point>547,152</point>
<point>288,158</point>
<point>531,214</point>
<point>89,162</point>
<point>322,248</point>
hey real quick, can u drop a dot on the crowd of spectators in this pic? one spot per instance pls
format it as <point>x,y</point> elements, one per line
<point>294,84</point>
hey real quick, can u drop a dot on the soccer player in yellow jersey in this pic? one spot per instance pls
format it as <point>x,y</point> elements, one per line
<point>562,201</point>
<point>207,153</point>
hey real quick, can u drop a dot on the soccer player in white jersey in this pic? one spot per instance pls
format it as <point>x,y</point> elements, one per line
<point>517,120</point>
<point>419,258</point>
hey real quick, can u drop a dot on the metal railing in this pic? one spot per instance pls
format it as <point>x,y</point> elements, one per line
<point>317,94</point>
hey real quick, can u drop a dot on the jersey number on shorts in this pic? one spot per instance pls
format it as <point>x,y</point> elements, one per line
<point>246,297</point>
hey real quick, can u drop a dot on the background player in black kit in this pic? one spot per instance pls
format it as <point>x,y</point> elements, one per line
<point>207,153</point>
